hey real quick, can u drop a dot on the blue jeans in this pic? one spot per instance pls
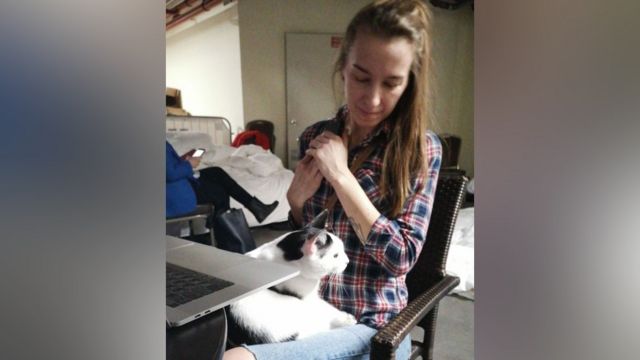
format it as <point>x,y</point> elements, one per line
<point>350,342</point>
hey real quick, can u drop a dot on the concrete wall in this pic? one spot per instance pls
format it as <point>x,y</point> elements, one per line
<point>263,24</point>
<point>453,57</point>
<point>203,61</point>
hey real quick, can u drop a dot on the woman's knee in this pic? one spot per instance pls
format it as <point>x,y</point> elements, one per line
<point>238,353</point>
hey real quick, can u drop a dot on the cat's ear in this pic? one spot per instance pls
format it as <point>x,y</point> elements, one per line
<point>313,242</point>
<point>309,247</point>
<point>320,220</point>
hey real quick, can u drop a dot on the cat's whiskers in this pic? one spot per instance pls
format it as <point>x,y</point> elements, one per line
<point>343,289</point>
<point>339,286</point>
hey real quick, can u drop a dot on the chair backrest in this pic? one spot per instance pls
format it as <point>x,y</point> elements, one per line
<point>430,267</point>
<point>450,150</point>
<point>266,127</point>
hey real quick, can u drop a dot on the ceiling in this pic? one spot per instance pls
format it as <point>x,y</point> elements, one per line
<point>178,11</point>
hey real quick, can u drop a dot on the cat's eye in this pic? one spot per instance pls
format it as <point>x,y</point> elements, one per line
<point>335,255</point>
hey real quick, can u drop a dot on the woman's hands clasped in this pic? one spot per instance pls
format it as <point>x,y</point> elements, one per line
<point>330,154</point>
<point>325,158</point>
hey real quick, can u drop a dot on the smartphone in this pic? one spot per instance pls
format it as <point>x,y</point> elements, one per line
<point>198,152</point>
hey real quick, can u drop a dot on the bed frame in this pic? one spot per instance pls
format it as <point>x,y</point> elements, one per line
<point>219,128</point>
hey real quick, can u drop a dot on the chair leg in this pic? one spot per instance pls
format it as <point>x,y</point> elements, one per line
<point>192,230</point>
<point>212,238</point>
<point>429,333</point>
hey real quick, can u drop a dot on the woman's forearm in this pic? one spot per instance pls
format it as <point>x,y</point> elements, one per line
<point>296,209</point>
<point>359,209</point>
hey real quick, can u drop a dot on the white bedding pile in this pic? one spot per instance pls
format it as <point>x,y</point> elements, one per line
<point>460,261</point>
<point>258,171</point>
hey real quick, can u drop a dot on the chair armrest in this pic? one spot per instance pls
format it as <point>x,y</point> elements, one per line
<point>389,337</point>
<point>186,218</point>
<point>201,212</point>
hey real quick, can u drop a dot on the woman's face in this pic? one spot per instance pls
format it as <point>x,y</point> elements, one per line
<point>376,74</point>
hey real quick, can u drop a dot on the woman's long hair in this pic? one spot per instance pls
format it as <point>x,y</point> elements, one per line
<point>405,155</point>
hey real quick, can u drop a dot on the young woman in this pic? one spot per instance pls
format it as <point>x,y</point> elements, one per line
<point>379,161</point>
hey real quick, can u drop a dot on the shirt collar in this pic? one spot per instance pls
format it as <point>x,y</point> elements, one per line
<point>381,132</point>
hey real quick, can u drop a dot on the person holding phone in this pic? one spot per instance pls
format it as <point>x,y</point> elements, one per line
<point>214,186</point>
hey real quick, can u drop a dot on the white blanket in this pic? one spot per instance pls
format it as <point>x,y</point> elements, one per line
<point>460,261</point>
<point>258,171</point>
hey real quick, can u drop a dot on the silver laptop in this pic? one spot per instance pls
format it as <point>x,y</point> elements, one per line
<point>235,276</point>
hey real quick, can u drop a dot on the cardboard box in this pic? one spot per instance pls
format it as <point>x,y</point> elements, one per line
<point>176,111</point>
<point>173,98</point>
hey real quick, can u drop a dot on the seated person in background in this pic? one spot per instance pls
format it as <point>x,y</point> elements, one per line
<point>214,186</point>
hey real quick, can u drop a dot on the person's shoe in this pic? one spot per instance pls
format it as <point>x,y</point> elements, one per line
<point>261,210</point>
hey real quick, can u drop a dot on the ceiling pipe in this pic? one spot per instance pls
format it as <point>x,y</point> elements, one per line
<point>200,18</point>
<point>180,10</point>
<point>180,5</point>
<point>204,6</point>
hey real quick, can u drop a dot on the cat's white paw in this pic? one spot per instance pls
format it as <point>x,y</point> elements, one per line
<point>344,319</point>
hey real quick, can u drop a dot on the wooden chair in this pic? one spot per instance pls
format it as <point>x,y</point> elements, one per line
<point>201,212</point>
<point>427,282</point>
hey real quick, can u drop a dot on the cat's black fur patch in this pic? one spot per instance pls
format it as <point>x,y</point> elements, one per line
<point>291,338</point>
<point>291,245</point>
<point>286,292</point>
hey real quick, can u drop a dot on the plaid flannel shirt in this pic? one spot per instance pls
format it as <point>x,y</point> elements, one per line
<point>372,287</point>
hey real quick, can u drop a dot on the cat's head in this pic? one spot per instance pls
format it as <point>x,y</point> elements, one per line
<point>316,250</point>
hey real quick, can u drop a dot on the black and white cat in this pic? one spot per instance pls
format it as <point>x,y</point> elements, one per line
<point>292,309</point>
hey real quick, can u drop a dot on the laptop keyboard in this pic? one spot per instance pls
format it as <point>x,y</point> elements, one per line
<point>184,285</point>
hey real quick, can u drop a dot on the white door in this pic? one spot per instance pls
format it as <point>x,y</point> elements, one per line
<point>309,73</point>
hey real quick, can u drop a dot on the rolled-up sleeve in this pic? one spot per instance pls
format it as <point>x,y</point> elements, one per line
<point>396,243</point>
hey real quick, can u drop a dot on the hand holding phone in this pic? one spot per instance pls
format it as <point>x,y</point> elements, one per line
<point>193,153</point>
<point>194,156</point>
<point>198,152</point>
